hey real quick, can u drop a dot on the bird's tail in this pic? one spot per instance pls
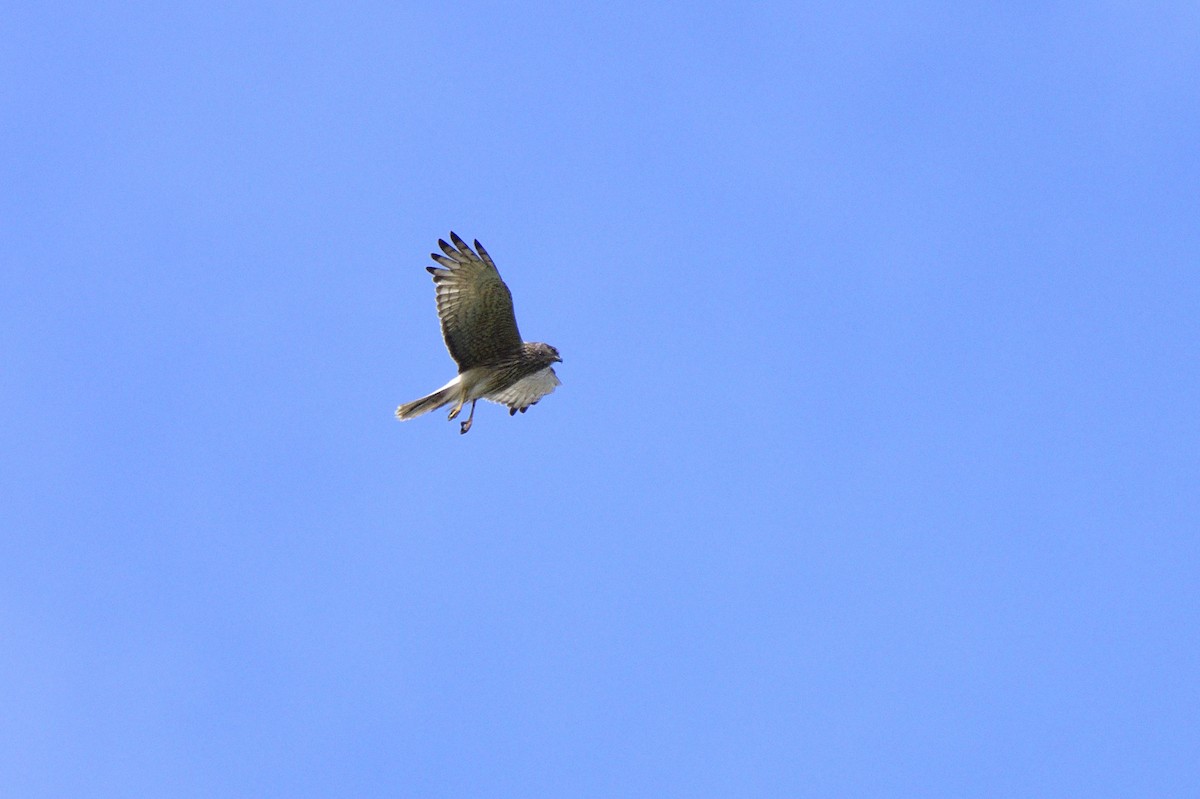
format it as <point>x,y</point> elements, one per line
<point>443,396</point>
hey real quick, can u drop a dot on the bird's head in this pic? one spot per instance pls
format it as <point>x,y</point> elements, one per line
<point>546,353</point>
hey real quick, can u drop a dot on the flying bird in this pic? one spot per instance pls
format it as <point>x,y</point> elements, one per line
<point>480,329</point>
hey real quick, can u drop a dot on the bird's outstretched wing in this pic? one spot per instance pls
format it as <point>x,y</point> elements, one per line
<point>474,305</point>
<point>527,391</point>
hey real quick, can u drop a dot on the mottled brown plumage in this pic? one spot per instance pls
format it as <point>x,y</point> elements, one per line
<point>480,329</point>
<point>474,305</point>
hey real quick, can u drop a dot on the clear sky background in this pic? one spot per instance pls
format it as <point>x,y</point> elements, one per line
<point>874,468</point>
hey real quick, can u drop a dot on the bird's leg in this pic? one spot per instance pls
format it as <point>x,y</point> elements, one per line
<point>456,411</point>
<point>467,424</point>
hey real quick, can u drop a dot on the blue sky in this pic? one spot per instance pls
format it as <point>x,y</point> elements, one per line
<point>874,467</point>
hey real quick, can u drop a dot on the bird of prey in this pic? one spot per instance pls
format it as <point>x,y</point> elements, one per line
<point>480,329</point>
